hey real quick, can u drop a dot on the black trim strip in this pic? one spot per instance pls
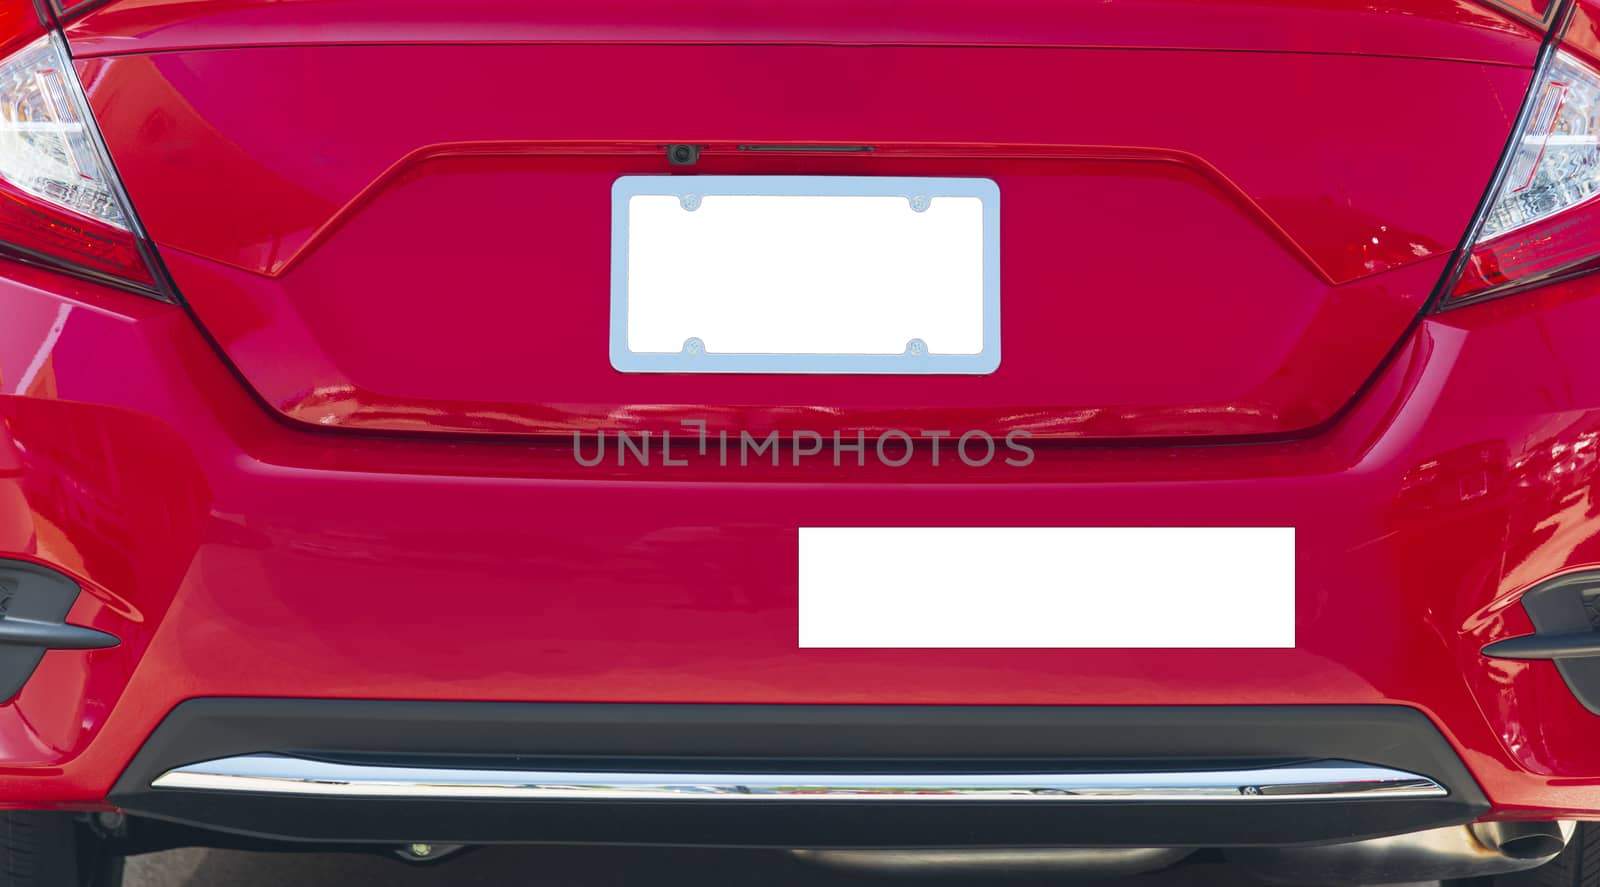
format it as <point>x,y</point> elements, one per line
<point>1565,612</point>
<point>1523,16</point>
<point>53,636</point>
<point>1580,645</point>
<point>34,603</point>
<point>796,738</point>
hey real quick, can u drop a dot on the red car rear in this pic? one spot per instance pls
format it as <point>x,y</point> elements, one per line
<point>1115,429</point>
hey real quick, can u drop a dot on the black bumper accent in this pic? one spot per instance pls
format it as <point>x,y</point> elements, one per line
<point>34,601</point>
<point>1565,612</point>
<point>700,737</point>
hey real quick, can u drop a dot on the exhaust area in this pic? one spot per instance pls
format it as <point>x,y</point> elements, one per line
<point>1075,861</point>
<point>1468,851</point>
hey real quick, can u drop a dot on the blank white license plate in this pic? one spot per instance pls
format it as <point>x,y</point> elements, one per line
<point>1060,587</point>
<point>805,274</point>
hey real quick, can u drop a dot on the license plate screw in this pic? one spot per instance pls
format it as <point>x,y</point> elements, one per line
<point>690,202</point>
<point>920,202</point>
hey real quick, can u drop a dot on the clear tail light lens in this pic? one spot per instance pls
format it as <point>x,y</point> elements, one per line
<point>59,202</point>
<point>1544,220</point>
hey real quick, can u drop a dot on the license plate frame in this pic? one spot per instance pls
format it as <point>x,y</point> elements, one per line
<point>949,298</point>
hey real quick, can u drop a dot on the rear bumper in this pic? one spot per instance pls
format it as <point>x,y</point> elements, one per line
<point>374,772</point>
<point>237,557</point>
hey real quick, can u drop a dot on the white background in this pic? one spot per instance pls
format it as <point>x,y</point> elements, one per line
<point>805,274</point>
<point>1084,587</point>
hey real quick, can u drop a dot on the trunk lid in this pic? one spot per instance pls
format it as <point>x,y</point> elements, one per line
<point>1217,219</point>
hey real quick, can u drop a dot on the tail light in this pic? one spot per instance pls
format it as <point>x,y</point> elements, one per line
<point>1543,221</point>
<point>60,202</point>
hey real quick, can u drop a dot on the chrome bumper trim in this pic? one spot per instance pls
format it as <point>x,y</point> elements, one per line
<point>285,775</point>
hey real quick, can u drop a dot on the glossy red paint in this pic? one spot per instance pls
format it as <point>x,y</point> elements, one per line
<point>20,24</point>
<point>1451,29</point>
<point>1465,474</point>
<point>1536,12</point>
<point>375,266</point>
<point>238,552</point>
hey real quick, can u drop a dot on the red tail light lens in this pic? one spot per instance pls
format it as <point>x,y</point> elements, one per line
<point>60,203</point>
<point>1544,221</point>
